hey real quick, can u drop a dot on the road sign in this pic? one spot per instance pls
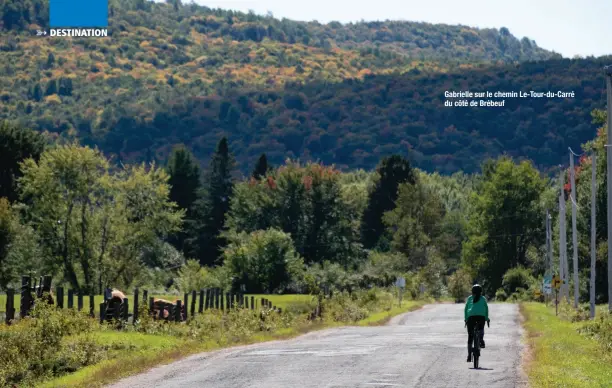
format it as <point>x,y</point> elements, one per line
<point>556,282</point>
<point>547,286</point>
<point>401,282</point>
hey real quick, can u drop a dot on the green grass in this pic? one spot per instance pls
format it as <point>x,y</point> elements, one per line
<point>131,352</point>
<point>282,301</point>
<point>559,356</point>
<point>382,317</point>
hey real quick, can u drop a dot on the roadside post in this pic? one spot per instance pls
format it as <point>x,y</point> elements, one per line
<point>556,283</point>
<point>401,284</point>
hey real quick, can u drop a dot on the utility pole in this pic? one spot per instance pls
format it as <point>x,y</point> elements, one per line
<point>608,74</point>
<point>593,242</point>
<point>562,238</point>
<point>548,243</point>
<point>549,259</point>
<point>574,232</point>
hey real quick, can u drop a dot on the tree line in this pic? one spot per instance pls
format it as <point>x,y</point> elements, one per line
<point>69,210</point>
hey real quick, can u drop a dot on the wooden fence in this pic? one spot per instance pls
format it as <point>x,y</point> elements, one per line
<point>117,309</point>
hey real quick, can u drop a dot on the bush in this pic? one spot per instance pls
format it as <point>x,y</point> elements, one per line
<point>264,261</point>
<point>193,277</point>
<point>459,285</point>
<point>518,277</point>
<point>600,329</point>
<point>46,345</point>
<point>500,295</point>
<point>432,275</point>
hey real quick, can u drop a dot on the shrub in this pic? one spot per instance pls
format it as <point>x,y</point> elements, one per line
<point>46,345</point>
<point>500,295</point>
<point>600,329</point>
<point>459,285</point>
<point>515,278</point>
<point>264,261</point>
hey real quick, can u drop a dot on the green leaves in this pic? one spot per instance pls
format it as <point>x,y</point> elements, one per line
<point>506,219</point>
<point>263,261</point>
<point>94,222</point>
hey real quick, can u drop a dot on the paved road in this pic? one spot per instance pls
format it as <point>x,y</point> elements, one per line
<point>425,348</point>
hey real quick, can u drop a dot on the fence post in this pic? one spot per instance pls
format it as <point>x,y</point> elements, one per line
<point>194,296</point>
<point>91,304</point>
<point>46,284</point>
<point>280,310</point>
<point>70,298</point>
<point>246,302</point>
<point>145,296</point>
<point>216,298</point>
<point>126,309</point>
<point>241,300</point>
<point>102,312</point>
<point>227,301</point>
<point>230,300</point>
<point>59,295</point>
<point>179,306</point>
<point>186,299</point>
<point>10,305</point>
<point>201,305</point>
<point>151,306</point>
<point>25,296</point>
<point>80,300</point>
<point>252,303</point>
<point>135,308</point>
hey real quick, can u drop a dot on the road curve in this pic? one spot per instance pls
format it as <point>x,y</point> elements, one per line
<point>425,348</point>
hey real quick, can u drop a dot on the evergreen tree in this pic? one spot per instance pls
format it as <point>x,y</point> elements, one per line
<point>16,145</point>
<point>205,241</point>
<point>261,168</point>
<point>185,183</point>
<point>392,171</point>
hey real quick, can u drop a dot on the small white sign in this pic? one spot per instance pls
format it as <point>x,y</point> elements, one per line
<point>401,282</point>
<point>547,286</point>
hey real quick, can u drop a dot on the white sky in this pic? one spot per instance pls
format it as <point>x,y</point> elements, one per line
<point>569,27</point>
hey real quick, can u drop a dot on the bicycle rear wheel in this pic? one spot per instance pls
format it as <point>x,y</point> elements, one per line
<point>476,348</point>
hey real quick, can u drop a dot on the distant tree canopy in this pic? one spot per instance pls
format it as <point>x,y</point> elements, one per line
<point>16,145</point>
<point>292,89</point>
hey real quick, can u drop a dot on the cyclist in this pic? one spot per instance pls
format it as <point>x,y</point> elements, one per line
<point>476,313</point>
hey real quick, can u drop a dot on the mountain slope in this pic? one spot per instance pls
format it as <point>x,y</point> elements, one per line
<point>184,73</point>
<point>354,123</point>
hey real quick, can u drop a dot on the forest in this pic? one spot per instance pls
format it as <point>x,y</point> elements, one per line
<point>342,94</point>
<point>69,211</point>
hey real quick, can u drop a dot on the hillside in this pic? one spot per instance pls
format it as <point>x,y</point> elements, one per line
<point>355,123</point>
<point>165,58</point>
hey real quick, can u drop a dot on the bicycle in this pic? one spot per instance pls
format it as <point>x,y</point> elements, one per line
<point>476,344</point>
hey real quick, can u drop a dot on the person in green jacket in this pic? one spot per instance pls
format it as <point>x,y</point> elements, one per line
<point>476,313</point>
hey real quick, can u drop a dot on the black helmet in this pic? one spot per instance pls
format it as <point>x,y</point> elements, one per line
<point>476,289</point>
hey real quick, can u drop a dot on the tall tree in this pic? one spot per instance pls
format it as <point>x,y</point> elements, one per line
<point>261,168</point>
<point>205,241</point>
<point>184,183</point>
<point>416,222</point>
<point>392,172</point>
<point>95,221</point>
<point>505,220</point>
<point>16,145</point>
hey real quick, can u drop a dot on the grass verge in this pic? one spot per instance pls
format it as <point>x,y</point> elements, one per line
<point>383,317</point>
<point>138,352</point>
<point>559,355</point>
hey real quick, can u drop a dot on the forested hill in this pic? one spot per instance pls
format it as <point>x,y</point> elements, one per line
<point>343,93</point>
<point>355,123</point>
